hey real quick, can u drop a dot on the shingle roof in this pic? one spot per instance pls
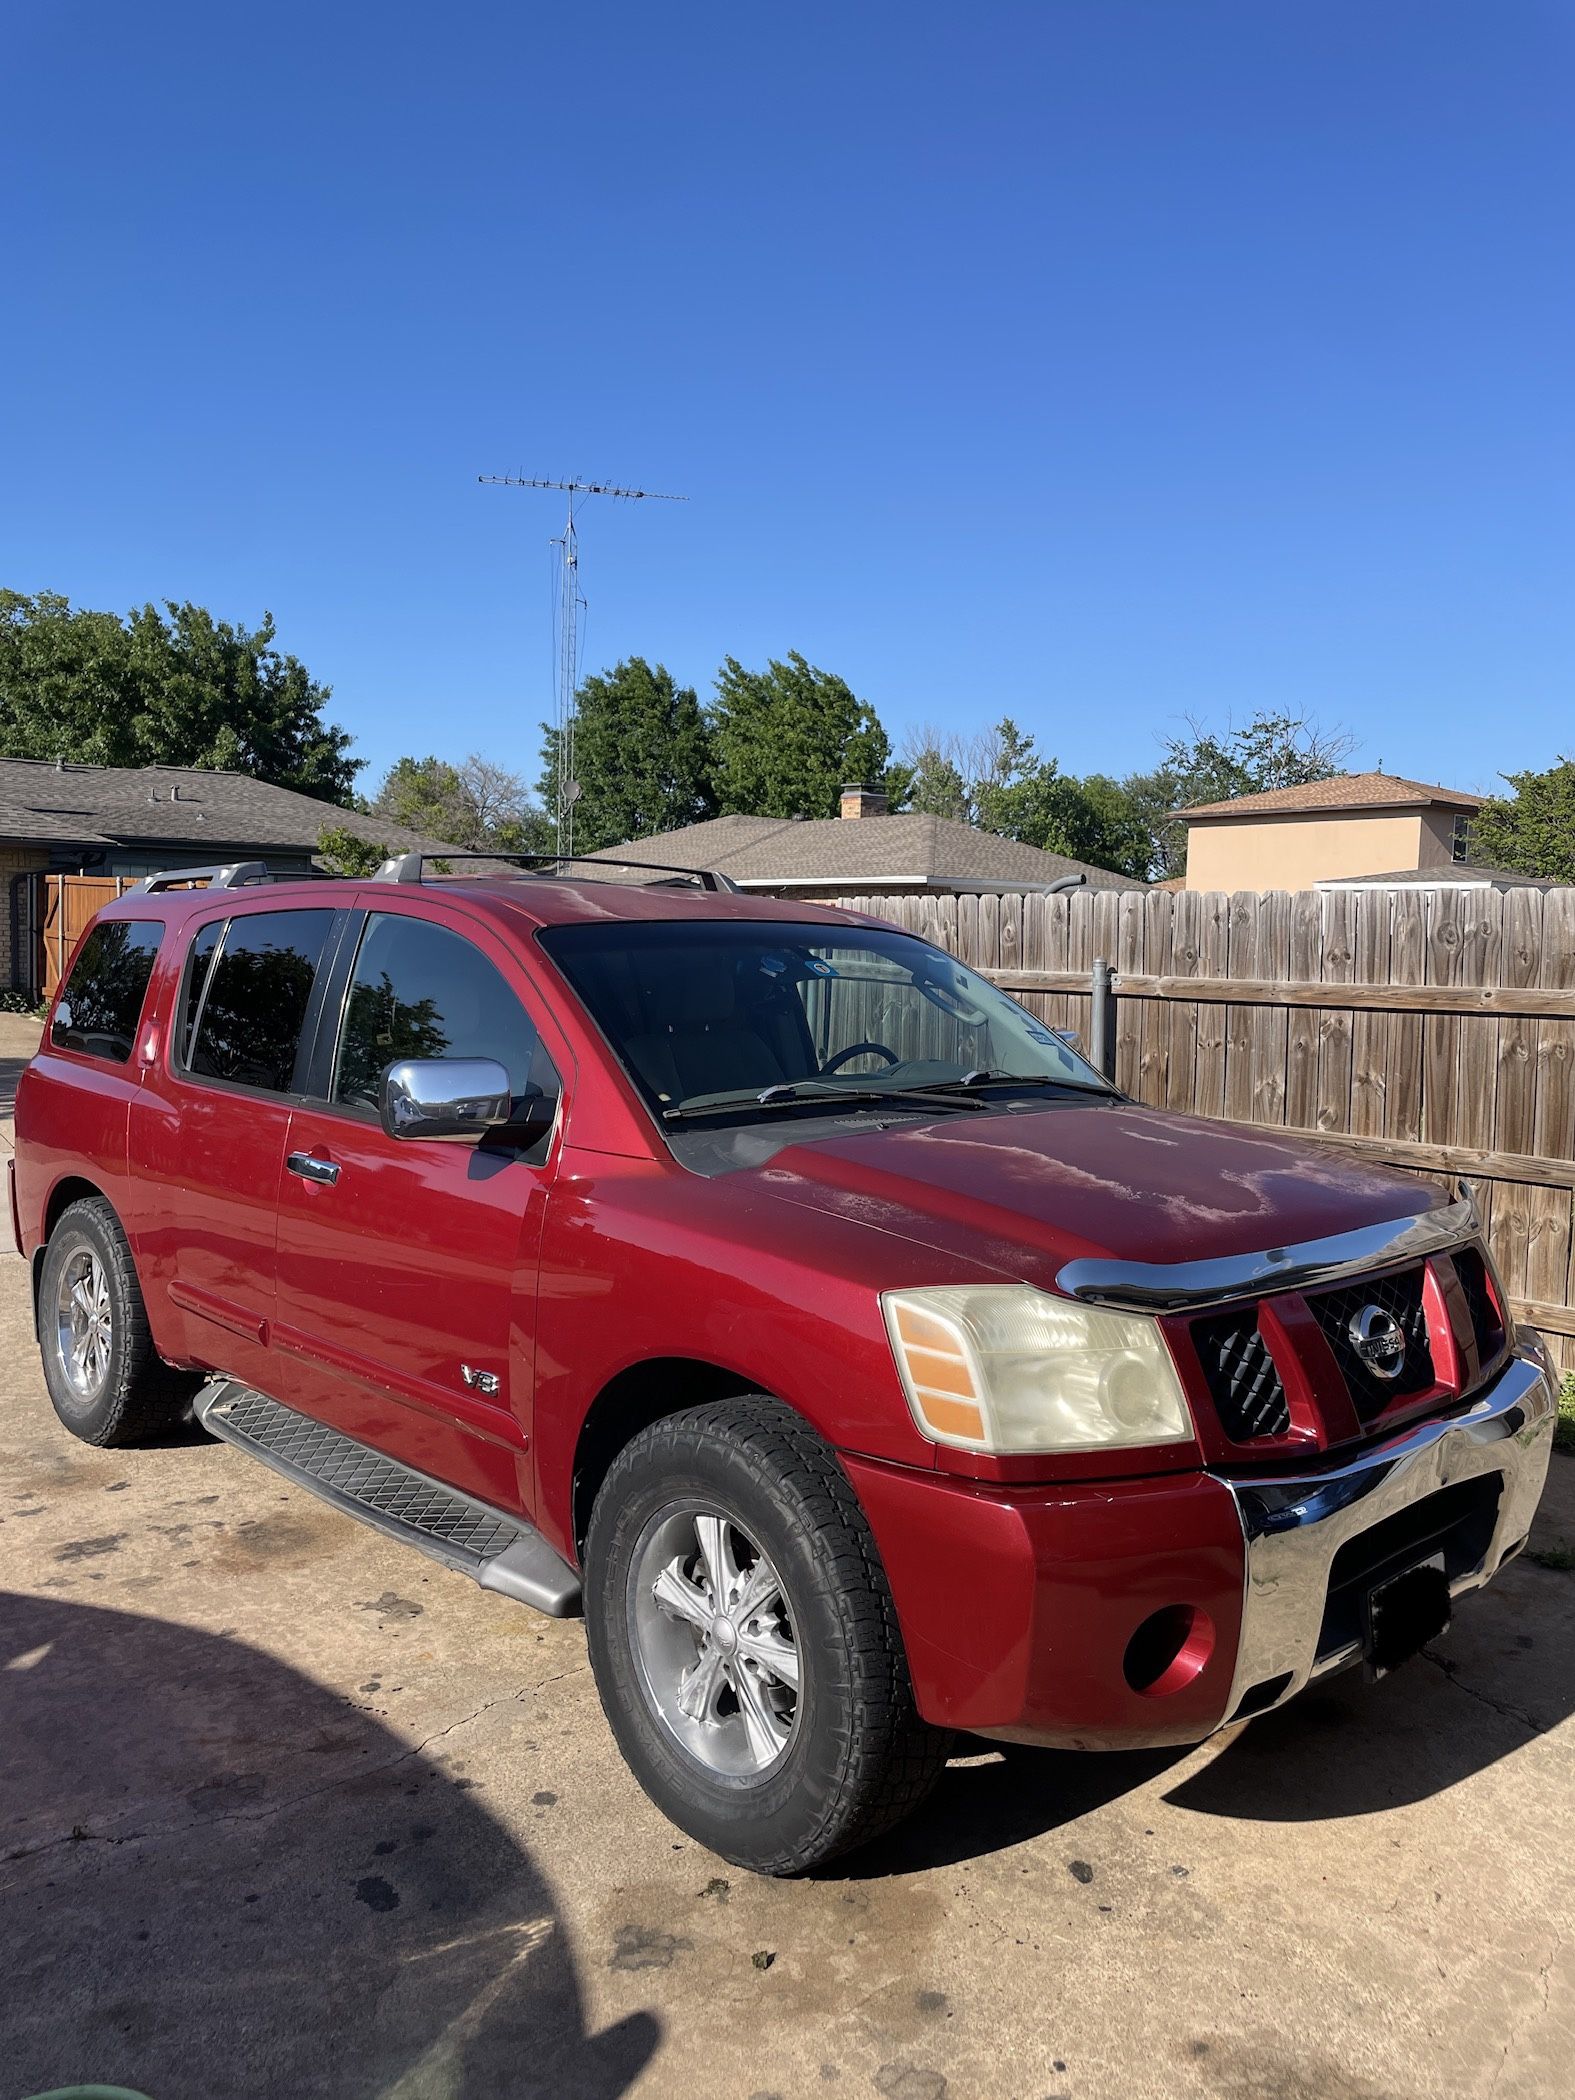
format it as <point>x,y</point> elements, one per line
<point>1459,873</point>
<point>185,806</point>
<point>916,851</point>
<point>1342,791</point>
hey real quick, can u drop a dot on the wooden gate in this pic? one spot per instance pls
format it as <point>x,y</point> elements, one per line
<point>69,901</point>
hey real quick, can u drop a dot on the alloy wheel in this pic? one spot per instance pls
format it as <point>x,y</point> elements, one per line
<point>713,1636</point>
<point>84,1320</point>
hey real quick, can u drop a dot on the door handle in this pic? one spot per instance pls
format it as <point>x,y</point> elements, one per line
<point>312,1169</point>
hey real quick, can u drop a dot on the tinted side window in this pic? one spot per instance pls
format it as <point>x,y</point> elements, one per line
<point>103,998</point>
<point>248,1014</point>
<point>421,991</point>
<point>197,966</point>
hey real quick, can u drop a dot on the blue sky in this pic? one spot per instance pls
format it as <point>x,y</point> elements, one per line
<point>1093,361</point>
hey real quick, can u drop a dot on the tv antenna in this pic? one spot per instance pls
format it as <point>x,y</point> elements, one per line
<point>569,603</point>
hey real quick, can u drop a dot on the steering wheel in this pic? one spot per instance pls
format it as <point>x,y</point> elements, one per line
<point>835,1064</point>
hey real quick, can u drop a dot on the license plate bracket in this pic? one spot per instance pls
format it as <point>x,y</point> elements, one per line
<point>1403,1614</point>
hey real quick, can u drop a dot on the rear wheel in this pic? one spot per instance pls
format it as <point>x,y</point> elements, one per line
<point>744,1641</point>
<point>107,1382</point>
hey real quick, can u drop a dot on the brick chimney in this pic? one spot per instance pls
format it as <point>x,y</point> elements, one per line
<point>859,801</point>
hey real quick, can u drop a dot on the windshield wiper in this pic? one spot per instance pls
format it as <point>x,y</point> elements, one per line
<point>971,1082</point>
<point>797,1093</point>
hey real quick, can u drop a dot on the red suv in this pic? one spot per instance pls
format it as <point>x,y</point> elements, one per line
<point>762,1280</point>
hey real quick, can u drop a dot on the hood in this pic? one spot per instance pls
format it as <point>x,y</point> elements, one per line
<point>1025,1192</point>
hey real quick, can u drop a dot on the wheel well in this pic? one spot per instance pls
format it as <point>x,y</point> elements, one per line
<point>65,1193</point>
<point>631,1402</point>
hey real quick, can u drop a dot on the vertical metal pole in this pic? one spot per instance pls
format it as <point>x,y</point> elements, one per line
<point>567,683</point>
<point>1102,1021</point>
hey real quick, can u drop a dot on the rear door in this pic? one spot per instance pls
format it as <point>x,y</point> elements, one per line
<point>207,1139</point>
<point>407,1266</point>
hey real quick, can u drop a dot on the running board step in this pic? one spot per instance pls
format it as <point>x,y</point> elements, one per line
<point>500,1552</point>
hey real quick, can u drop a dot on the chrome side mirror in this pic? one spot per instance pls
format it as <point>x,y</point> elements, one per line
<point>445,1097</point>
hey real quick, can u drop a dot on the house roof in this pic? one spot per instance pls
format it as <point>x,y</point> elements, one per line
<point>1343,791</point>
<point>1459,876</point>
<point>842,853</point>
<point>179,806</point>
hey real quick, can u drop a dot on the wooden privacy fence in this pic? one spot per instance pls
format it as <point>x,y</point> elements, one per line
<point>68,902</point>
<point>1430,1029</point>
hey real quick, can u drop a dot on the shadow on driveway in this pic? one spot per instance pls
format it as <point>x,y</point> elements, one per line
<point>218,1881</point>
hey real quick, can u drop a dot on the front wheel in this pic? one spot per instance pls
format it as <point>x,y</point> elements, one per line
<point>744,1641</point>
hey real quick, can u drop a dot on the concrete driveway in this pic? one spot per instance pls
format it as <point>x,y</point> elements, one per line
<point>287,1813</point>
<point>19,1038</point>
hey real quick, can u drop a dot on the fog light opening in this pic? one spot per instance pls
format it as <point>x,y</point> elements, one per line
<point>1168,1650</point>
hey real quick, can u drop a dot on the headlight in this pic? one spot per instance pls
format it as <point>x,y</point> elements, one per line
<point>1003,1367</point>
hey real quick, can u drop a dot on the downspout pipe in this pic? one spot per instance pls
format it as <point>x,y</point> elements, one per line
<point>1102,1021</point>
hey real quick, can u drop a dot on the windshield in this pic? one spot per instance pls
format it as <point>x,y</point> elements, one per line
<point>738,1017</point>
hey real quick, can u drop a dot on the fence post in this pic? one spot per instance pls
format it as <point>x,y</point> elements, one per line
<point>1102,1021</point>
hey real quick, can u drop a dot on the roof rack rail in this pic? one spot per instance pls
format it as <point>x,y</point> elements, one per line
<point>233,875</point>
<point>408,867</point>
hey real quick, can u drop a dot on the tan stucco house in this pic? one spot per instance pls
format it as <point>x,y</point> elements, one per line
<point>1328,830</point>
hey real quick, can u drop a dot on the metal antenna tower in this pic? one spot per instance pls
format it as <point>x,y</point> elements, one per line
<point>570,602</point>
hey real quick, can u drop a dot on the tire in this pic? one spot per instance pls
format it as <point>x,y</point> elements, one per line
<point>115,1389</point>
<point>774,1778</point>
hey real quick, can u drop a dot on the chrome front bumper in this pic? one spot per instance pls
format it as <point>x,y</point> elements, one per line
<point>1294,1526</point>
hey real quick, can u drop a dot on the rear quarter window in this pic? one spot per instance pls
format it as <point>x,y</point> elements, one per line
<point>102,1002</point>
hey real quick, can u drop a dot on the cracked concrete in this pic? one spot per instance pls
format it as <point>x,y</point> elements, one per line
<point>1451,1670</point>
<point>258,1843</point>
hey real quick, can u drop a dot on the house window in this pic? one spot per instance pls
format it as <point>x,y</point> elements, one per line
<point>1460,844</point>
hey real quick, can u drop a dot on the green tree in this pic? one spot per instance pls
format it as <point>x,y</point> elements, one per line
<point>1094,819</point>
<point>1152,799</point>
<point>1009,790</point>
<point>476,805</point>
<point>642,756</point>
<point>171,688</point>
<point>998,781</point>
<point>340,852</point>
<point>1270,751</point>
<point>1533,830</point>
<point>785,740</point>
<point>1027,797</point>
<point>936,784</point>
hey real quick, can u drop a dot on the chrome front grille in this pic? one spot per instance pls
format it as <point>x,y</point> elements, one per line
<point>1401,1297</point>
<point>1289,1366</point>
<point>1243,1378</point>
